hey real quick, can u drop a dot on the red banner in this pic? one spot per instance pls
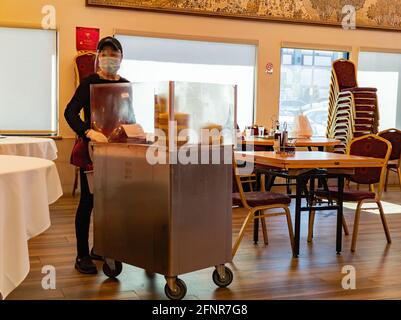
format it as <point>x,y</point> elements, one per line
<point>87,39</point>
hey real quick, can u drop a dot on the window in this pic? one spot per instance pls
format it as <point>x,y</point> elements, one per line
<point>156,59</point>
<point>305,85</point>
<point>382,71</point>
<point>28,81</point>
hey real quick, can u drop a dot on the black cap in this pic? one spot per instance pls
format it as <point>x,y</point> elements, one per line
<point>110,41</point>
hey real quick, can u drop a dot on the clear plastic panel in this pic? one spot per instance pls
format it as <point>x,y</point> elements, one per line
<point>111,107</point>
<point>195,106</point>
<point>199,106</point>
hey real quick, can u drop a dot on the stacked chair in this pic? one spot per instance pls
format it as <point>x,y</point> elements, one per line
<point>353,111</point>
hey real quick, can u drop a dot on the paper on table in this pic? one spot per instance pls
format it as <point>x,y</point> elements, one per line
<point>134,130</point>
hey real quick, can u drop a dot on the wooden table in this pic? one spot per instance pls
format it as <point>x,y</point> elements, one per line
<point>305,165</point>
<point>315,142</point>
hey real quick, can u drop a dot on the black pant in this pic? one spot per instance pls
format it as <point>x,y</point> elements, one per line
<point>83,217</point>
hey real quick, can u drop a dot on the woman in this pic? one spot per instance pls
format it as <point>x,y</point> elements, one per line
<point>109,55</point>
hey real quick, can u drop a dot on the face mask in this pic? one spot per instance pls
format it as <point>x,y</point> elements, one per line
<point>109,65</point>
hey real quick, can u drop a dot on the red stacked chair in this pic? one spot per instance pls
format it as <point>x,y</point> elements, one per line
<point>353,111</point>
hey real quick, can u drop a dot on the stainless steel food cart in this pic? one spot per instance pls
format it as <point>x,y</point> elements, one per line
<point>167,217</point>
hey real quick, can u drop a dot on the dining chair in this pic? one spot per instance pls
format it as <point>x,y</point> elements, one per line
<point>260,205</point>
<point>369,146</point>
<point>394,165</point>
<point>84,66</point>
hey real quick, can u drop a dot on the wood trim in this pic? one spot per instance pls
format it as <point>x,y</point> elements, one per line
<point>189,37</point>
<point>19,25</point>
<point>379,50</point>
<point>28,132</point>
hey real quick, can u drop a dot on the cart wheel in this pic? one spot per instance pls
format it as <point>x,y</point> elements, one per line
<point>227,281</point>
<point>113,273</point>
<point>179,294</point>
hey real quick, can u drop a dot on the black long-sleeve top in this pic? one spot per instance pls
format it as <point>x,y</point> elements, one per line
<point>81,100</point>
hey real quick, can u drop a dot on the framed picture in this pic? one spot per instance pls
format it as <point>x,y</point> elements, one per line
<point>375,14</point>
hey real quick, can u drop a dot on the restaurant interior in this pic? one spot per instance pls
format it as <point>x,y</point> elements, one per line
<point>200,150</point>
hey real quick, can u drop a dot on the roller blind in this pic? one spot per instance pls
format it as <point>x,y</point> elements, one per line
<point>28,81</point>
<point>187,51</point>
<point>162,59</point>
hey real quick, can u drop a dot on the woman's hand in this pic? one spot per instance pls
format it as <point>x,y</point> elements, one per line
<point>96,136</point>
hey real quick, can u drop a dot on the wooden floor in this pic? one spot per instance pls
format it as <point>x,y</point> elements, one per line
<point>260,272</point>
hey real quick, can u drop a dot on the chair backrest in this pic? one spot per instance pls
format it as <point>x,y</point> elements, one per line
<point>394,136</point>
<point>237,187</point>
<point>370,146</point>
<point>84,66</point>
<point>345,74</point>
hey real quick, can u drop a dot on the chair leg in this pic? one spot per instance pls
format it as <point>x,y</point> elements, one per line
<point>372,188</point>
<point>256,228</point>
<point>386,182</point>
<point>384,222</point>
<point>75,187</point>
<point>248,219</point>
<point>311,224</point>
<point>290,229</point>
<point>356,226</point>
<point>264,230</point>
<point>345,226</point>
<point>399,175</point>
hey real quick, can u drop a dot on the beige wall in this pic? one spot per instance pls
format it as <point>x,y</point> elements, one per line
<point>270,36</point>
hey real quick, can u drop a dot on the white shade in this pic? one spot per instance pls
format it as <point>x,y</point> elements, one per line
<point>148,59</point>
<point>187,51</point>
<point>28,83</point>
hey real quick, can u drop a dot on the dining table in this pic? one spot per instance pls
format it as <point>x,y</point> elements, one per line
<point>304,166</point>
<point>27,187</point>
<point>44,148</point>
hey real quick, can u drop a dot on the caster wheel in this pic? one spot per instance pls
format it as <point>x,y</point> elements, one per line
<point>226,282</point>
<point>179,294</point>
<point>113,273</point>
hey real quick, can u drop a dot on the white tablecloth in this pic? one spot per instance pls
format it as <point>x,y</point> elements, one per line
<point>27,187</point>
<point>28,147</point>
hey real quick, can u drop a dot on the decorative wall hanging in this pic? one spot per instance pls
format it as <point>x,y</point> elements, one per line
<point>376,14</point>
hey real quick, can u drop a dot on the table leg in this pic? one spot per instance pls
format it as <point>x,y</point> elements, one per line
<point>270,183</point>
<point>340,199</point>
<point>320,149</point>
<point>298,203</point>
<point>311,195</point>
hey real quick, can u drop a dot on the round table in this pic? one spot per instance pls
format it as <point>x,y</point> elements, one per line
<point>27,187</point>
<point>28,147</point>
